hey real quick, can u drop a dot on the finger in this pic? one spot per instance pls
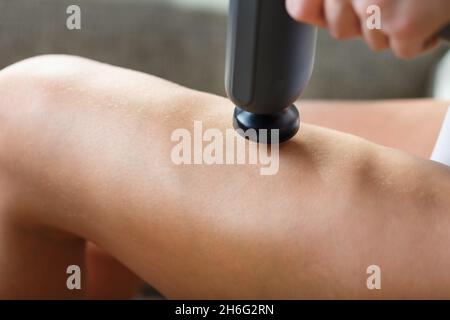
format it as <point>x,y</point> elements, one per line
<point>307,11</point>
<point>411,49</point>
<point>375,39</point>
<point>342,20</point>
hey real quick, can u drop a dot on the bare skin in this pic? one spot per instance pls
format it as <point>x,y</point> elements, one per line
<point>85,156</point>
<point>409,27</point>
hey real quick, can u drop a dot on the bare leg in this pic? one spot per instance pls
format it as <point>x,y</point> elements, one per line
<point>411,125</point>
<point>108,278</point>
<point>34,260</point>
<point>91,150</point>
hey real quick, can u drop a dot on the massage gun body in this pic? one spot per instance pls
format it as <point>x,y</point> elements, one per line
<point>270,60</point>
<point>270,56</point>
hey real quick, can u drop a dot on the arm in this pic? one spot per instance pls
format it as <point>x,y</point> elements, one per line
<point>91,149</point>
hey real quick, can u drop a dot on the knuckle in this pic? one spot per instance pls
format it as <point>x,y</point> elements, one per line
<point>341,33</point>
<point>338,34</point>
<point>300,9</point>
<point>404,52</point>
<point>306,11</point>
<point>376,44</point>
<point>375,47</point>
<point>402,29</point>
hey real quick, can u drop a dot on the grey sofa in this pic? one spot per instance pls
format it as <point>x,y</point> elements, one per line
<point>188,46</point>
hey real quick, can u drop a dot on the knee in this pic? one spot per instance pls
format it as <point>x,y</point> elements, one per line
<point>28,82</point>
<point>30,88</point>
<point>31,91</point>
<point>31,94</point>
<point>47,66</point>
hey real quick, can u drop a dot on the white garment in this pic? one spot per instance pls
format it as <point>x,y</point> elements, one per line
<point>441,82</point>
<point>441,151</point>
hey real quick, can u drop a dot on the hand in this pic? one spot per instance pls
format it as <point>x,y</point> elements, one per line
<point>409,27</point>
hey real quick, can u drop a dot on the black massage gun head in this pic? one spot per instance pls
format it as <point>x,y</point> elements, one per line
<point>286,122</point>
<point>270,59</point>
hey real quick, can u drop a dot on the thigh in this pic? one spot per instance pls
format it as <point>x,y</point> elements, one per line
<point>409,125</point>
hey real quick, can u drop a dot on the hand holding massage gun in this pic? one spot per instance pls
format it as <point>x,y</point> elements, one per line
<point>270,59</point>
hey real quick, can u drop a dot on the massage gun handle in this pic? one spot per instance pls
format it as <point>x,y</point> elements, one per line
<point>270,56</point>
<point>445,33</point>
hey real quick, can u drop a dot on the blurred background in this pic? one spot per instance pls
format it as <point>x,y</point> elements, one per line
<point>184,41</point>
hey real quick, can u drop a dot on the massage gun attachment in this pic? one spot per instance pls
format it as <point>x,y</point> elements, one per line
<point>270,60</point>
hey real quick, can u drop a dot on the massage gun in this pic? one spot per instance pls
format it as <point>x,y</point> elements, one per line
<point>269,63</point>
<point>270,60</point>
